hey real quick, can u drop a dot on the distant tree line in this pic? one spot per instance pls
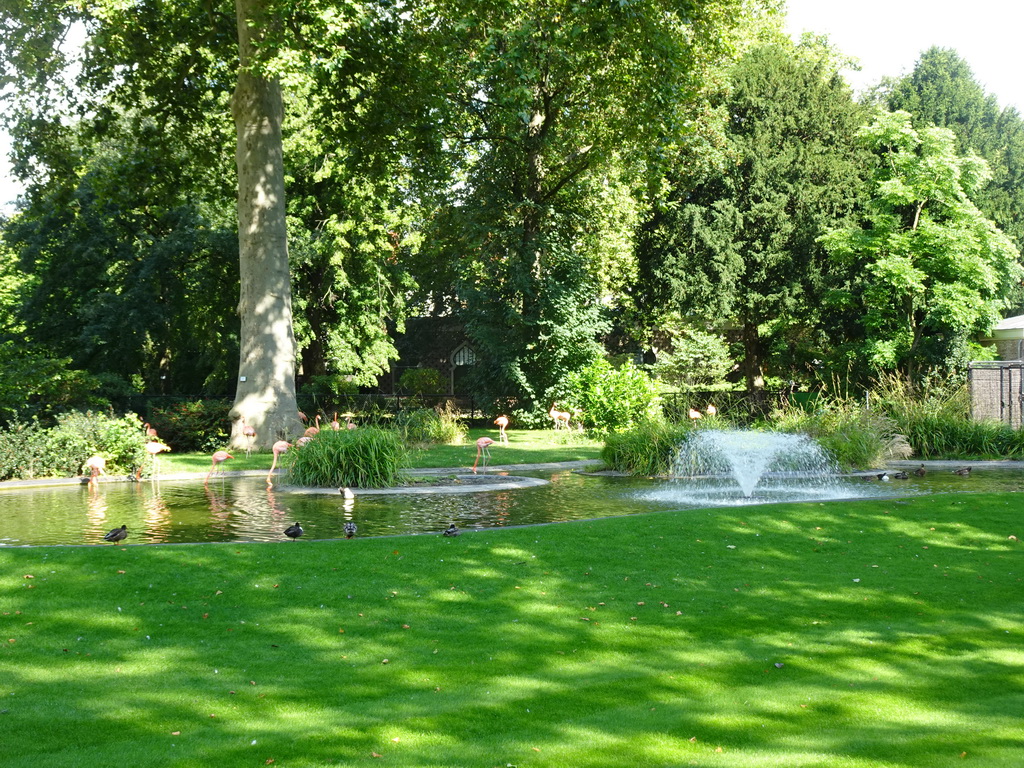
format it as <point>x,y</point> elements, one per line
<point>549,174</point>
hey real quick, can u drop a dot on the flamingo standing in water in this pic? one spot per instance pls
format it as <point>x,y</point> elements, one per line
<point>278,448</point>
<point>96,464</point>
<point>482,446</point>
<point>218,457</point>
<point>502,422</point>
<point>153,448</point>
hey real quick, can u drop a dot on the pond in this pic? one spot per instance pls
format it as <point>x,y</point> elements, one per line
<point>244,509</point>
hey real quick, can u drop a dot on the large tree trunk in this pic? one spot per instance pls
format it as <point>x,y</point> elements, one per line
<point>266,372</point>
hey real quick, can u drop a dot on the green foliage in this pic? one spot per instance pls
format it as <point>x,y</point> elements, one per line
<point>855,437</point>
<point>934,272</point>
<point>936,418</point>
<point>697,359</point>
<point>423,381</point>
<point>430,426</point>
<point>647,449</point>
<point>367,457</point>
<point>29,450</point>
<point>193,425</point>
<point>611,399</point>
<point>35,385</point>
<point>942,91</point>
<point>737,241</point>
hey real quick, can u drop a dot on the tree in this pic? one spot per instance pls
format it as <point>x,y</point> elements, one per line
<point>941,90</point>
<point>547,101</point>
<point>934,271</point>
<point>738,242</point>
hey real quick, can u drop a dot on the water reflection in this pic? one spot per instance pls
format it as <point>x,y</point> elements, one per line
<point>246,509</point>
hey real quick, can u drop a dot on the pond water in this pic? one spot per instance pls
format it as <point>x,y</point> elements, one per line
<point>244,509</point>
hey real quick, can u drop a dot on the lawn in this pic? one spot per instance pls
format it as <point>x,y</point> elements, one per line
<point>884,633</point>
<point>524,446</point>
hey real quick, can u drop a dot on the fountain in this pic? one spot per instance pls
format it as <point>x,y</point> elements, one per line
<point>734,467</point>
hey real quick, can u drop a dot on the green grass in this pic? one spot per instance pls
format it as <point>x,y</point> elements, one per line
<point>524,447</point>
<point>636,641</point>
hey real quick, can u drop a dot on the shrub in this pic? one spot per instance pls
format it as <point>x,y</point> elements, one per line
<point>937,422</point>
<point>612,399</point>
<point>646,449</point>
<point>29,450</point>
<point>423,381</point>
<point>193,425</point>
<point>367,457</point>
<point>430,426</point>
<point>854,436</point>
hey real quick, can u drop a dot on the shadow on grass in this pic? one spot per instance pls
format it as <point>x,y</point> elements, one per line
<point>850,634</point>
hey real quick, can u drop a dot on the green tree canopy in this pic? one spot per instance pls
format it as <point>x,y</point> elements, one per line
<point>738,242</point>
<point>934,271</point>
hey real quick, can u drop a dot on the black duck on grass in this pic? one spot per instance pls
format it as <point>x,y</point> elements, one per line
<point>452,530</point>
<point>116,535</point>
<point>293,531</point>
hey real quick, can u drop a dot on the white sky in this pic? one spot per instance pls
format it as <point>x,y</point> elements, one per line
<point>887,37</point>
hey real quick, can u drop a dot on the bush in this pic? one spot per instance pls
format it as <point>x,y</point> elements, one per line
<point>36,386</point>
<point>29,450</point>
<point>612,399</point>
<point>938,424</point>
<point>367,457</point>
<point>854,436</point>
<point>423,381</point>
<point>193,425</point>
<point>438,426</point>
<point>646,449</point>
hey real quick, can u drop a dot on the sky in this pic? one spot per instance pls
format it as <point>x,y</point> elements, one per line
<point>886,36</point>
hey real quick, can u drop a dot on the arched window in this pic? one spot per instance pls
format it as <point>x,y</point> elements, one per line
<point>464,355</point>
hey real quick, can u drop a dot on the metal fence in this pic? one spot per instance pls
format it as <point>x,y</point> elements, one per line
<point>997,390</point>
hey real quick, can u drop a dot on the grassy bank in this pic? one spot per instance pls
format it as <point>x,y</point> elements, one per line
<point>524,447</point>
<point>845,634</point>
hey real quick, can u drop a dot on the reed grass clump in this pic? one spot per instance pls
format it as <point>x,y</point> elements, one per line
<point>367,457</point>
<point>431,426</point>
<point>853,435</point>
<point>936,419</point>
<point>646,449</point>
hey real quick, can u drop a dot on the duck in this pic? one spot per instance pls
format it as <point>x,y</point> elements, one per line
<point>900,475</point>
<point>962,471</point>
<point>883,476</point>
<point>921,471</point>
<point>350,530</point>
<point>452,530</point>
<point>293,531</point>
<point>116,535</point>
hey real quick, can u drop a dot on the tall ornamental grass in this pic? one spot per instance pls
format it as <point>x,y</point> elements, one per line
<point>430,426</point>
<point>646,449</point>
<point>366,457</point>
<point>937,421</point>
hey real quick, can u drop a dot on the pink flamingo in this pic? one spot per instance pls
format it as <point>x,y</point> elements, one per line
<point>348,423</point>
<point>314,430</point>
<point>502,422</point>
<point>218,457</point>
<point>278,448</point>
<point>711,410</point>
<point>150,432</point>
<point>153,448</point>
<point>482,450</point>
<point>335,424</point>
<point>96,464</point>
<point>695,414</point>
<point>250,434</point>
